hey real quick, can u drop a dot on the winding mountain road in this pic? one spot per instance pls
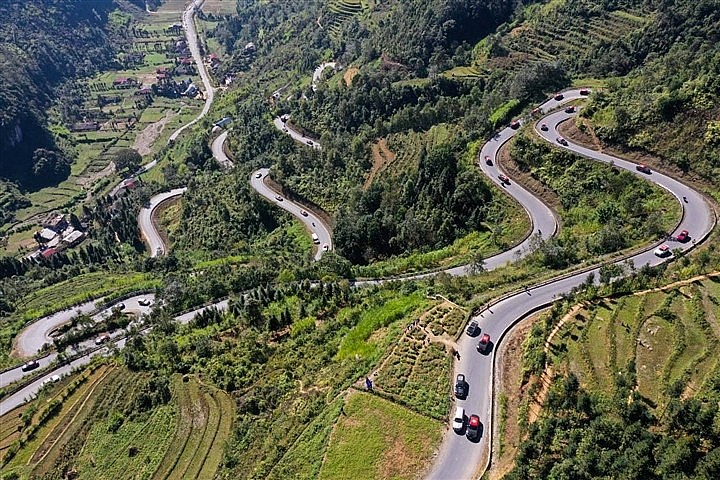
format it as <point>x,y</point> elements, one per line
<point>146,224</point>
<point>188,22</point>
<point>312,222</point>
<point>458,457</point>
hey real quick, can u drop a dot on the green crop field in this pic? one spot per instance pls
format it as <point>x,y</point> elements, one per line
<point>90,428</point>
<point>362,445</point>
<point>670,336</point>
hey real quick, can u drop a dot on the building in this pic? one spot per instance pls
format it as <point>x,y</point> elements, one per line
<point>48,252</point>
<point>223,122</point>
<point>47,234</point>
<point>73,238</point>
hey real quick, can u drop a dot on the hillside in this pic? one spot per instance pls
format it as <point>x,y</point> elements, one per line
<point>46,42</point>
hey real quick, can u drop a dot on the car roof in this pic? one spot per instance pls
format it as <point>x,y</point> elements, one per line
<point>460,375</point>
<point>485,337</point>
<point>474,421</point>
<point>459,412</point>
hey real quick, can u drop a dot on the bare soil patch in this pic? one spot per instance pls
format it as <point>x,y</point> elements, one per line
<point>146,138</point>
<point>350,74</point>
<point>382,157</point>
<point>509,382</point>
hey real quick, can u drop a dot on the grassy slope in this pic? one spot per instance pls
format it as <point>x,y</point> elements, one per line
<point>362,445</point>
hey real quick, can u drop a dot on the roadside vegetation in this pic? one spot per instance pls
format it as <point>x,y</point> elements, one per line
<point>272,388</point>
<point>636,372</point>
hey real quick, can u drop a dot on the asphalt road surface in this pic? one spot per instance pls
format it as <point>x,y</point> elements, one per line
<point>295,135</point>
<point>192,41</point>
<point>218,151</point>
<point>312,222</point>
<point>188,22</point>
<point>30,340</point>
<point>147,227</point>
<point>461,459</point>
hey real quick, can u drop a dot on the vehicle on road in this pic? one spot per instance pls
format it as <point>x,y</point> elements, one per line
<point>472,328</point>
<point>285,129</point>
<point>102,339</point>
<point>559,96</point>
<point>484,343</point>
<point>584,91</point>
<point>460,386</point>
<point>52,379</point>
<point>258,175</point>
<point>325,247</point>
<point>570,109</point>
<point>278,198</point>
<point>643,168</point>
<point>31,365</point>
<point>544,127</point>
<point>683,237</point>
<point>309,142</point>
<point>473,428</point>
<point>662,251</point>
<point>504,179</point>
<point>315,239</point>
<point>561,141</point>
<point>459,419</point>
<point>514,124</point>
<point>144,302</point>
<point>488,160</point>
<point>303,213</point>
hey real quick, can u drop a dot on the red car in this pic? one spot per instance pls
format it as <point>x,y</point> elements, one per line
<point>484,343</point>
<point>504,179</point>
<point>514,124</point>
<point>559,96</point>
<point>684,236</point>
<point>584,91</point>
<point>488,160</point>
<point>643,168</point>
<point>570,109</point>
<point>473,427</point>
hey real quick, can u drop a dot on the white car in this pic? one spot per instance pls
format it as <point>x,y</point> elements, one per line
<point>662,251</point>
<point>258,175</point>
<point>326,247</point>
<point>459,419</point>
<point>303,213</point>
<point>278,198</point>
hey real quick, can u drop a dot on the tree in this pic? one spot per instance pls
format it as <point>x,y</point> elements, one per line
<point>127,159</point>
<point>477,263</point>
<point>48,163</point>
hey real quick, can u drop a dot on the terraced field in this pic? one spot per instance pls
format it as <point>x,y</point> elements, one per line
<point>341,11</point>
<point>203,425</point>
<point>89,424</point>
<point>417,371</point>
<point>670,336</point>
<point>548,35</point>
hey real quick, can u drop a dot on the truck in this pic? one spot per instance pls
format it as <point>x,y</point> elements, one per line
<point>315,239</point>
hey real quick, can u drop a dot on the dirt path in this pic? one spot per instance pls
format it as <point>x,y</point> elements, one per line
<point>145,139</point>
<point>382,157</point>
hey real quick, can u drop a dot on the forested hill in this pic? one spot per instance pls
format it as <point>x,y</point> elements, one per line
<point>43,43</point>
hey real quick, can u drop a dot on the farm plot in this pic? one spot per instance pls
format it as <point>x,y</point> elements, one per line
<point>669,337</point>
<point>417,371</point>
<point>362,445</point>
<point>203,424</point>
